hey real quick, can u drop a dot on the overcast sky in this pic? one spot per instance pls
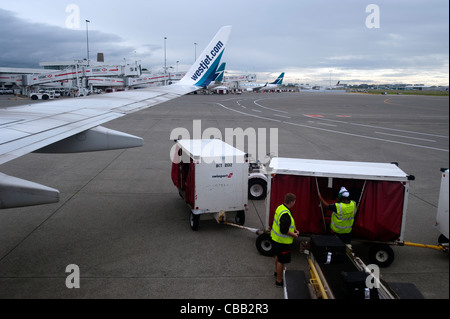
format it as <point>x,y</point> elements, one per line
<point>312,41</point>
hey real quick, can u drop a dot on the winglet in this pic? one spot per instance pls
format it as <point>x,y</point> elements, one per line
<point>203,71</point>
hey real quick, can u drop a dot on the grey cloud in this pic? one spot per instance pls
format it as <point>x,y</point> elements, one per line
<point>25,44</point>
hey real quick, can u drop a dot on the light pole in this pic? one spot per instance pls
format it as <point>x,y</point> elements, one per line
<point>195,51</point>
<point>165,61</point>
<point>87,40</point>
<point>330,79</point>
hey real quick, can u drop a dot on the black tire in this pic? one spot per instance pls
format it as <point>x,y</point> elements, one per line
<point>442,240</point>
<point>264,244</point>
<point>34,97</point>
<point>257,188</point>
<point>381,255</point>
<point>194,220</point>
<point>45,97</point>
<point>240,218</point>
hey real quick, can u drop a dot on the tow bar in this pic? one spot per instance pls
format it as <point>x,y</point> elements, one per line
<point>253,230</point>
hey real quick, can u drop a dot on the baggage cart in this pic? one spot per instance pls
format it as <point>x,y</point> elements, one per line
<point>212,178</point>
<point>379,189</point>
<point>442,218</point>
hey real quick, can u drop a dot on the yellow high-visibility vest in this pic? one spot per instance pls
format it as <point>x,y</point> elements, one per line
<point>342,219</point>
<point>275,233</point>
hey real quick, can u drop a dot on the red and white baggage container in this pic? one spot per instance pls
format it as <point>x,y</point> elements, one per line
<point>380,190</point>
<point>212,177</point>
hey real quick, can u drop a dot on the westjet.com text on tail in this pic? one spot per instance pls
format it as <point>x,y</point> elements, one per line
<point>204,65</point>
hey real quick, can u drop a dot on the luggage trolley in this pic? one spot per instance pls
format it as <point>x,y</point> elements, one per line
<point>380,190</point>
<point>212,178</point>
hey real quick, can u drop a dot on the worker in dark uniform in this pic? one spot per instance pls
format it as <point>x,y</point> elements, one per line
<point>343,215</point>
<point>283,232</point>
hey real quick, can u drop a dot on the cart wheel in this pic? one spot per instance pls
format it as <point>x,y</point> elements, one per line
<point>442,240</point>
<point>381,255</point>
<point>194,221</point>
<point>264,244</point>
<point>257,188</point>
<point>240,218</point>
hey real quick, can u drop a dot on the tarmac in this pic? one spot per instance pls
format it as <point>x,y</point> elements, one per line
<point>121,221</point>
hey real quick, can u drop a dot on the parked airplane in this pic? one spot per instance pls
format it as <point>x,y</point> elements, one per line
<point>263,87</point>
<point>335,87</point>
<point>73,125</point>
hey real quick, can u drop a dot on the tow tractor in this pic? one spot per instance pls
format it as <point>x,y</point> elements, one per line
<point>257,181</point>
<point>47,95</point>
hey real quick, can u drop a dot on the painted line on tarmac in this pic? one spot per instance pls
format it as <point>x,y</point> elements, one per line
<point>283,116</point>
<point>368,137</point>
<point>397,130</point>
<point>238,102</point>
<point>338,132</point>
<point>414,138</point>
<point>268,108</point>
<point>253,115</point>
<point>374,126</point>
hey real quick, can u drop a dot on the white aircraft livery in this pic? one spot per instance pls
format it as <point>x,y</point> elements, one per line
<point>73,125</point>
<point>264,87</point>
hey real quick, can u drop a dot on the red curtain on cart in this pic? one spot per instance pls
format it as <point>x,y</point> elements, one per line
<point>306,211</point>
<point>175,174</point>
<point>380,212</point>
<point>190,184</point>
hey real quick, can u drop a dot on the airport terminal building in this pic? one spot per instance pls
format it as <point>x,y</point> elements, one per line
<point>75,75</point>
<point>78,75</point>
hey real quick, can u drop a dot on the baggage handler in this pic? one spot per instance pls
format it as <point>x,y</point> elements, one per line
<point>343,215</point>
<point>283,232</point>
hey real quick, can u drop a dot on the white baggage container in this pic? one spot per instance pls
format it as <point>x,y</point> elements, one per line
<point>442,218</point>
<point>212,177</point>
<point>380,190</point>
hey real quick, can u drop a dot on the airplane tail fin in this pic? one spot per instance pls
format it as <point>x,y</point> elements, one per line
<point>219,73</point>
<point>203,71</point>
<point>279,80</point>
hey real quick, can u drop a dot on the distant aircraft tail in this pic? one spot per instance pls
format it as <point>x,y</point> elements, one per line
<point>279,80</point>
<point>203,71</point>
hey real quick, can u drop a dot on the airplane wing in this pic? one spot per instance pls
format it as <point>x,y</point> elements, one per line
<point>256,89</point>
<point>73,125</point>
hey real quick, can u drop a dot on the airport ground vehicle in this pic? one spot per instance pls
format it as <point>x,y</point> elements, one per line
<point>257,181</point>
<point>212,177</point>
<point>379,189</point>
<point>6,91</point>
<point>48,95</point>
